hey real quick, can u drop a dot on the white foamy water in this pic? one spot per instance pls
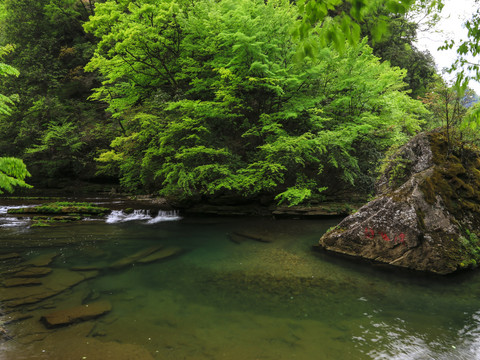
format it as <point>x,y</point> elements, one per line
<point>4,209</point>
<point>11,221</point>
<point>165,216</point>
<point>119,216</point>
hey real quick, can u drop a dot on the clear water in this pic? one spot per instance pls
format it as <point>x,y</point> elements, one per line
<point>250,300</point>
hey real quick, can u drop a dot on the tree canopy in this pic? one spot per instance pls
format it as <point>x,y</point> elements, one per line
<point>217,102</point>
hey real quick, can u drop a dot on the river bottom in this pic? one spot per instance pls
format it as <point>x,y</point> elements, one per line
<point>230,297</point>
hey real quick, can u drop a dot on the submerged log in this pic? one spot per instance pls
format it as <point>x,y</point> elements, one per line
<point>260,236</point>
<point>131,259</point>
<point>161,255</point>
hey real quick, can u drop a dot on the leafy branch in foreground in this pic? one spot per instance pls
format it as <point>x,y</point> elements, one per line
<point>6,70</point>
<point>466,65</point>
<point>338,22</point>
<point>12,173</point>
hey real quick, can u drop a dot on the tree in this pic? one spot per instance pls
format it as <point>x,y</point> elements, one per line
<point>455,111</point>
<point>398,47</point>
<point>214,102</point>
<point>446,106</point>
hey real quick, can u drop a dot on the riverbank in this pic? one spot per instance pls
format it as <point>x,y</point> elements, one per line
<point>155,204</point>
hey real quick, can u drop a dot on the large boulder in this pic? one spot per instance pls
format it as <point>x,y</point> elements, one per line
<point>426,215</point>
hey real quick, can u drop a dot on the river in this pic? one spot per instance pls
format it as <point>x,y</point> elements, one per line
<point>226,295</point>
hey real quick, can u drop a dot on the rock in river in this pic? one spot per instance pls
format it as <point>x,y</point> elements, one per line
<point>76,314</point>
<point>21,282</point>
<point>33,272</point>
<point>55,283</point>
<point>42,260</point>
<point>426,215</point>
<point>9,256</point>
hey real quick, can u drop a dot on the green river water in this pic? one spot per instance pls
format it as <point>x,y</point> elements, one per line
<point>220,299</point>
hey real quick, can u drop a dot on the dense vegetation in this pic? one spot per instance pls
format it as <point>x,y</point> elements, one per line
<point>52,126</point>
<point>209,99</point>
<point>12,171</point>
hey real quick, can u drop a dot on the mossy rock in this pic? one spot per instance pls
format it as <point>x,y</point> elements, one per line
<point>455,179</point>
<point>60,212</point>
<point>67,208</point>
<point>431,221</point>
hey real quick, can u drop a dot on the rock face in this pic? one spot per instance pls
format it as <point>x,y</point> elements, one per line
<point>426,215</point>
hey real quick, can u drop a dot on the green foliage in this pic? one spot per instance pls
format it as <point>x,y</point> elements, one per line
<point>466,65</point>
<point>398,47</point>
<point>338,22</point>
<point>471,248</point>
<point>12,173</point>
<point>6,70</point>
<point>399,171</point>
<point>456,112</point>
<point>52,127</point>
<point>295,195</point>
<point>217,103</point>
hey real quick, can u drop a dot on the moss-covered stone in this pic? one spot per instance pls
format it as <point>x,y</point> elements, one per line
<point>60,212</point>
<point>431,221</point>
<point>67,208</point>
<point>456,177</point>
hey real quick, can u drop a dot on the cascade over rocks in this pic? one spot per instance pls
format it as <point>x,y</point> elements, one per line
<point>426,215</point>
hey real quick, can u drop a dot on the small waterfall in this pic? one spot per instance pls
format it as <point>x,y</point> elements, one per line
<point>12,221</point>
<point>119,216</point>
<point>165,216</point>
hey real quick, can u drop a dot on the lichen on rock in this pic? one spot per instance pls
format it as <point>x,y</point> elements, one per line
<point>426,215</point>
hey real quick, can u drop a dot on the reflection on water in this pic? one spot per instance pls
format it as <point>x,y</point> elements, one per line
<point>229,296</point>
